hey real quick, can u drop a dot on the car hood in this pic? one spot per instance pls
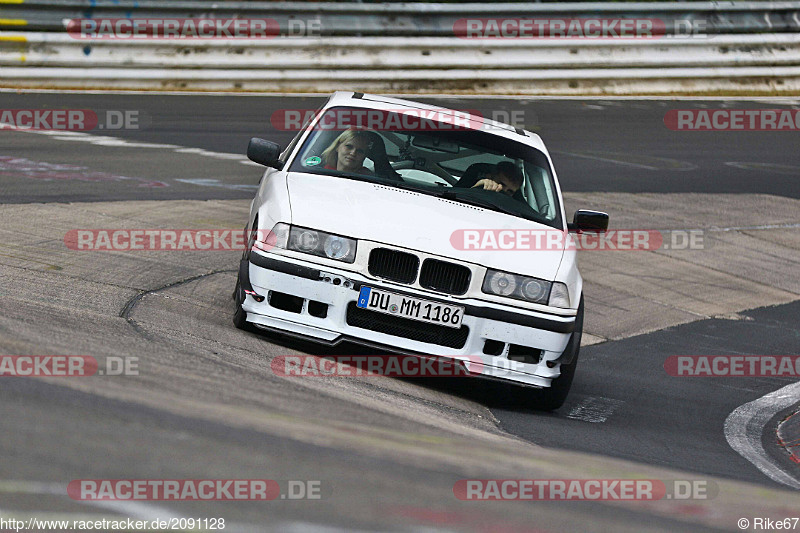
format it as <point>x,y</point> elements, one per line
<point>412,220</point>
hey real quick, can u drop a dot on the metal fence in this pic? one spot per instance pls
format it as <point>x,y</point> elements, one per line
<point>404,19</point>
<point>733,46</point>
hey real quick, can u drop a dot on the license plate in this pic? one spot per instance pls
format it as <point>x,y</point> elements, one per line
<point>407,307</point>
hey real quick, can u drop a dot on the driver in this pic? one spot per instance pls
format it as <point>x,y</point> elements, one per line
<point>505,178</point>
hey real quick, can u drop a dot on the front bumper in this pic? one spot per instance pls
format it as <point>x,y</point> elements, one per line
<point>540,337</point>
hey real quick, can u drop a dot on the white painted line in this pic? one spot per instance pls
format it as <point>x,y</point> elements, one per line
<point>608,160</point>
<point>127,508</point>
<point>308,527</point>
<point>105,140</point>
<point>745,426</point>
<point>787,170</point>
<point>216,183</point>
<point>663,163</point>
<point>44,516</point>
<point>717,229</point>
<point>594,410</point>
<point>750,228</point>
<point>200,151</point>
<point>57,133</point>
<point>135,509</point>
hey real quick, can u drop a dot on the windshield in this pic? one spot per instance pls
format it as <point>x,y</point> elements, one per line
<point>441,158</point>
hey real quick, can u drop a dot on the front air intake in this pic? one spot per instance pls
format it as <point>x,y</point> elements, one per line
<point>393,265</point>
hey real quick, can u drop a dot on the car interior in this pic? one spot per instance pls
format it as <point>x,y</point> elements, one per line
<point>432,160</point>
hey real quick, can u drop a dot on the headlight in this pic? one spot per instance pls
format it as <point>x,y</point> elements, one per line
<point>518,287</point>
<point>559,295</point>
<point>500,283</point>
<point>338,247</point>
<point>304,240</point>
<point>314,242</point>
<point>534,289</point>
<point>277,237</point>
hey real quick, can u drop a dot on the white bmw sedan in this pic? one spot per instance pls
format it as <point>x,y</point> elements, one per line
<point>420,230</point>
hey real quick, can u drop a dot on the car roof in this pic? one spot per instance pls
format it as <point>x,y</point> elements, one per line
<point>374,101</point>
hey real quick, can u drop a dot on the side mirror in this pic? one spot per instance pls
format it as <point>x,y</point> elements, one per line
<point>590,221</point>
<point>264,152</point>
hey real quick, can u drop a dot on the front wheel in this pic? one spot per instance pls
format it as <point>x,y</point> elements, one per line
<point>239,315</point>
<point>553,397</point>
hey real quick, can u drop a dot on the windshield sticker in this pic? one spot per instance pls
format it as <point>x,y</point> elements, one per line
<point>313,161</point>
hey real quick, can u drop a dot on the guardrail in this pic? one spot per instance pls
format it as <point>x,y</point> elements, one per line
<point>396,53</point>
<point>745,46</point>
<point>405,19</point>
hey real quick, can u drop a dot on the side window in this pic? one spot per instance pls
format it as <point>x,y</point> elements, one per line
<point>540,195</point>
<point>316,143</point>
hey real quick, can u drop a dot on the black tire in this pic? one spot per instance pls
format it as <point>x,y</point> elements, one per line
<point>239,315</point>
<point>552,398</point>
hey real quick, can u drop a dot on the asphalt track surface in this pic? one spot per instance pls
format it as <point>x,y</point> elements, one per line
<point>207,406</point>
<point>597,145</point>
<point>623,378</point>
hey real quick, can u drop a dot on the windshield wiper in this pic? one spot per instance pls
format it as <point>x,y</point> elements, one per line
<point>480,202</point>
<point>356,177</point>
<point>409,187</point>
<point>487,203</point>
<point>378,180</point>
<point>448,194</point>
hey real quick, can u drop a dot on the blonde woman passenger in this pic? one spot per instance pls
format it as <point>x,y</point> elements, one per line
<point>348,151</point>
